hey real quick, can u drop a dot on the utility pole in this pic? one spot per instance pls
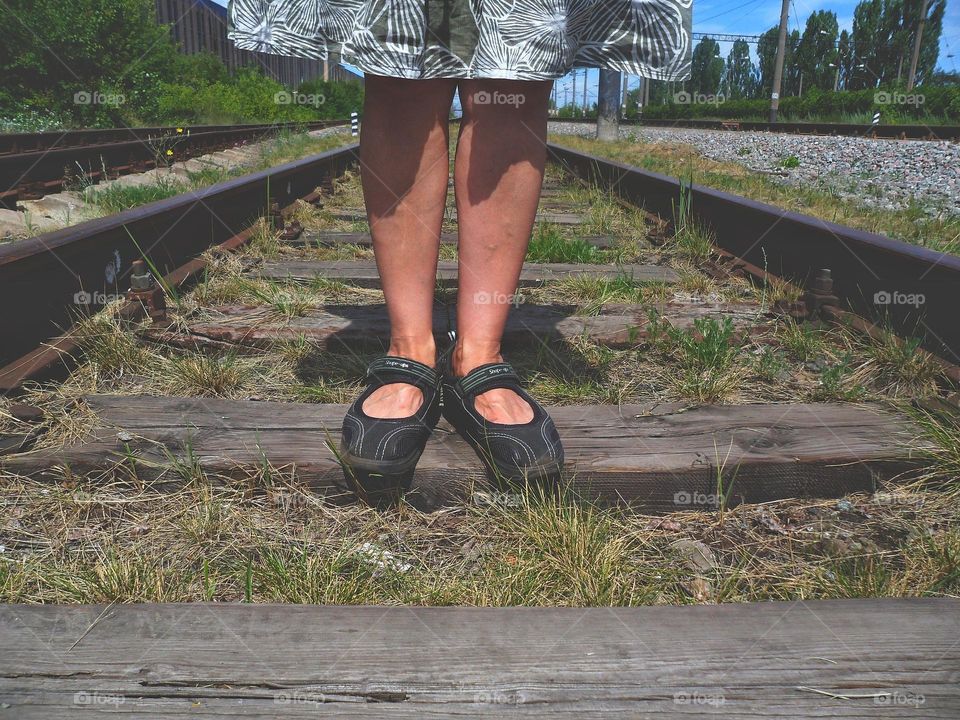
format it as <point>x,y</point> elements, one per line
<point>916,45</point>
<point>608,105</point>
<point>778,67</point>
<point>574,93</point>
<point>623,94</point>
<point>585,78</point>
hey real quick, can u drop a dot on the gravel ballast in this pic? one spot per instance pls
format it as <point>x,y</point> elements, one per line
<point>882,174</point>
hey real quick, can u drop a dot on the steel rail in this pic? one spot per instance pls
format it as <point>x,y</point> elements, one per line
<point>43,170</point>
<point>13,143</point>
<point>913,289</point>
<point>41,277</point>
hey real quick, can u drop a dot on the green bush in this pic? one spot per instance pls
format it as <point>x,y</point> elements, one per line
<point>940,104</point>
<point>107,63</point>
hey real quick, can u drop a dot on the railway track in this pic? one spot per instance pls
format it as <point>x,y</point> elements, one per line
<point>683,378</point>
<point>894,132</point>
<point>36,164</point>
<point>317,290</point>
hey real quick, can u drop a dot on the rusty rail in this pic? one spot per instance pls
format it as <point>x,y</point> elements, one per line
<point>48,281</point>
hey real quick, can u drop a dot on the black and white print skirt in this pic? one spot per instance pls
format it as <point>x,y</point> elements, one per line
<point>513,39</point>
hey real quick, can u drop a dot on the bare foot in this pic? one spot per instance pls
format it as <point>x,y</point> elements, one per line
<point>400,400</point>
<point>396,400</point>
<point>499,405</point>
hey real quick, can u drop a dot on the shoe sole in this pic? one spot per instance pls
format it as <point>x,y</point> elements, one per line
<point>379,482</point>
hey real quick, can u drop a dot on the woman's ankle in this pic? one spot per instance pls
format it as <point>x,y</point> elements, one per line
<point>423,350</point>
<point>468,356</point>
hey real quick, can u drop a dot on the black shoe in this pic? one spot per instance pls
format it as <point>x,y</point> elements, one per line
<point>379,455</point>
<point>513,455</point>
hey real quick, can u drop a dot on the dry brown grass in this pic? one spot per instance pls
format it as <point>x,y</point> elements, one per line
<point>79,542</point>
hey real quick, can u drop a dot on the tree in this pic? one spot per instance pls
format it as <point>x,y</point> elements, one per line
<point>767,52</point>
<point>706,68</point>
<point>846,60</point>
<point>89,60</point>
<point>930,41</point>
<point>767,55</point>
<point>817,49</point>
<point>883,35</point>
<point>740,75</point>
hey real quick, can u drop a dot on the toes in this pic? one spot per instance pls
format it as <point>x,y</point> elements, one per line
<point>504,406</point>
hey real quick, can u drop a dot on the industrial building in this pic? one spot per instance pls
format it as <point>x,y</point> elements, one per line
<point>201,26</point>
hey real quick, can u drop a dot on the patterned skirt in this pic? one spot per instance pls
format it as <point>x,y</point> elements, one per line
<point>513,39</point>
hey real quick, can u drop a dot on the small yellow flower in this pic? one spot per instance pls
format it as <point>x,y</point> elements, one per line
<point>169,152</point>
<point>179,130</point>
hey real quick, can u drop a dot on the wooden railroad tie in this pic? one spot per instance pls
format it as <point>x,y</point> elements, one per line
<point>661,457</point>
<point>793,661</point>
<point>349,327</point>
<point>364,272</point>
<point>328,238</point>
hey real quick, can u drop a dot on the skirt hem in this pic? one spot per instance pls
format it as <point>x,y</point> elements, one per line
<point>488,73</point>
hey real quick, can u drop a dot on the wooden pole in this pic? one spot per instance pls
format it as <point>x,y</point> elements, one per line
<point>778,68</point>
<point>916,46</point>
<point>608,105</point>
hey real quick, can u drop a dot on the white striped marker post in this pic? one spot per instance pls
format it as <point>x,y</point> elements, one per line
<point>354,124</point>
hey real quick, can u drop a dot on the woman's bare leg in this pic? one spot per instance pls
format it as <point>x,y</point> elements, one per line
<point>404,170</point>
<point>501,153</point>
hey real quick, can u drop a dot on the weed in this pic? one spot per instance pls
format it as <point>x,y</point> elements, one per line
<point>549,245</point>
<point>705,354</point>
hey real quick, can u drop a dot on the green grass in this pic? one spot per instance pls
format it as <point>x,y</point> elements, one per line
<point>592,293</point>
<point>116,198</point>
<point>838,382</point>
<point>549,245</point>
<point>692,241</point>
<point>704,357</point>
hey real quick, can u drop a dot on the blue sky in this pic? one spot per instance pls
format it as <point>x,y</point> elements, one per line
<point>752,17</point>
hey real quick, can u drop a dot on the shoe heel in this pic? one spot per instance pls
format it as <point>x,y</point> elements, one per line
<point>376,483</point>
<point>379,490</point>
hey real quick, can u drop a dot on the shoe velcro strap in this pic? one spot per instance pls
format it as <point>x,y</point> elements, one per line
<point>488,377</point>
<point>391,369</point>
